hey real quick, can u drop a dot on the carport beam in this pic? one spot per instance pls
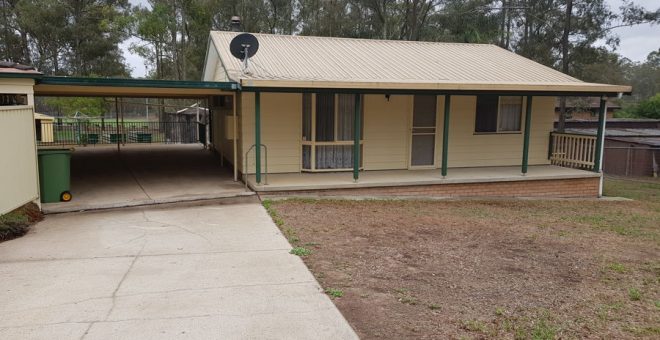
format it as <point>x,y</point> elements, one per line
<point>528,121</point>
<point>257,136</point>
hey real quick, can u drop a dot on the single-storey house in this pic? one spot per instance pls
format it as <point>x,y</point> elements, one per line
<point>432,118</point>
<point>338,116</point>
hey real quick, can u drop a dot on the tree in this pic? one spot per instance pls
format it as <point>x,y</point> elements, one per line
<point>66,37</point>
<point>68,106</point>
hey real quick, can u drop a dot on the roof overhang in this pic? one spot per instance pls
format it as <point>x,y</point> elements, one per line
<point>549,89</point>
<point>119,87</point>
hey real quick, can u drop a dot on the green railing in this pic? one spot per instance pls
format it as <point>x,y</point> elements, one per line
<point>83,132</point>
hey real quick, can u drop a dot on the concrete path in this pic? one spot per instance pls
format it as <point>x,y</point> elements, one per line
<point>198,272</point>
<point>102,178</point>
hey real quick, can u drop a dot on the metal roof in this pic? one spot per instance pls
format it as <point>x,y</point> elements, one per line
<point>327,62</point>
<point>9,69</point>
<point>641,136</point>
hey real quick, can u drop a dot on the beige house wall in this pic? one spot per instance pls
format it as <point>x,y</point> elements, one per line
<point>19,180</point>
<point>19,86</point>
<point>281,126</point>
<point>387,133</point>
<point>467,149</point>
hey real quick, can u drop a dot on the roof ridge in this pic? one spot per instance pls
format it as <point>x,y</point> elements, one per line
<point>297,36</point>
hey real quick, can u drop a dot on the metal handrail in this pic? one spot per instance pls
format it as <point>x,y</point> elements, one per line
<point>245,174</point>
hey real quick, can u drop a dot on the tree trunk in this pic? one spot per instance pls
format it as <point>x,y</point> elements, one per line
<point>564,62</point>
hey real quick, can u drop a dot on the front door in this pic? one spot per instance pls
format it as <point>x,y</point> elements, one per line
<point>422,151</point>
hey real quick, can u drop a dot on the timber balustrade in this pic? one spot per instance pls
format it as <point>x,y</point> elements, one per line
<point>572,150</point>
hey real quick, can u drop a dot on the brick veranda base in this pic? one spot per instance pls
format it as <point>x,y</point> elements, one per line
<point>573,187</point>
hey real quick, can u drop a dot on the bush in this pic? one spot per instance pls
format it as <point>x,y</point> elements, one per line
<point>16,223</point>
<point>649,108</point>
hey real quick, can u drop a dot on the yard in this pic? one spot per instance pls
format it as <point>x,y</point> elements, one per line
<point>524,269</point>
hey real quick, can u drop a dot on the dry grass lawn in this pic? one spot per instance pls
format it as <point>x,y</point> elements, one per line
<point>475,269</point>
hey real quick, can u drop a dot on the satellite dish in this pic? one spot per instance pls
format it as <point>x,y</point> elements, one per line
<point>244,46</point>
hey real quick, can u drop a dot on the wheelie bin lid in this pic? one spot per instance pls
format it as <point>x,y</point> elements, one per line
<point>54,151</point>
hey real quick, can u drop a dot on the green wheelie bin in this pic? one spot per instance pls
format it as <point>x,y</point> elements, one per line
<point>54,175</point>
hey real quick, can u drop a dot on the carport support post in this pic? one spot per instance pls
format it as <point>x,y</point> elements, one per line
<point>357,117</point>
<point>445,135</point>
<point>117,121</point>
<point>600,136</point>
<point>257,136</point>
<point>528,124</point>
<point>600,142</point>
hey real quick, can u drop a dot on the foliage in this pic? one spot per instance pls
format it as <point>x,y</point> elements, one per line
<point>649,108</point>
<point>300,251</point>
<point>17,222</point>
<point>334,292</point>
<point>68,106</point>
<point>66,37</point>
<point>82,37</point>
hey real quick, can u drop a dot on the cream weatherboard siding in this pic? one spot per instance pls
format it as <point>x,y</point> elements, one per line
<point>386,132</point>
<point>467,149</point>
<point>387,126</point>
<point>19,180</point>
<point>281,126</point>
<point>18,86</point>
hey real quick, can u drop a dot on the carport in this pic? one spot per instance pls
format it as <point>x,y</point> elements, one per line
<point>117,163</point>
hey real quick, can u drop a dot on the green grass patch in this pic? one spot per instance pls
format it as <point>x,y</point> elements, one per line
<point>542,330</point>
<point>643,190</point>
<point>301,251</point>
<point>617,267</point>
<point>334,292</point>
<point>634,294</point>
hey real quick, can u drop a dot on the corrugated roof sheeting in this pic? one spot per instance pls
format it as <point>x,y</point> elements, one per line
<point>289,59</point>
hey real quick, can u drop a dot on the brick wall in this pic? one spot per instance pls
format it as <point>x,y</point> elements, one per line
<point>574,187</point>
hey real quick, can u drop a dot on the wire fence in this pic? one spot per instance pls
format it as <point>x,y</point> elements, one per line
<point>82,133</point>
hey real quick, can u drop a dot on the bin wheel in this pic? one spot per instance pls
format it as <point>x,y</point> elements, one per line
<point>65,196</point>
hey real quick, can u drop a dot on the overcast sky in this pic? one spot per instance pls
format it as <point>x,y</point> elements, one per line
<point>636,42</point>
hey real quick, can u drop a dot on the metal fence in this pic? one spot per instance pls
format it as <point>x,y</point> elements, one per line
<point>81,132</point>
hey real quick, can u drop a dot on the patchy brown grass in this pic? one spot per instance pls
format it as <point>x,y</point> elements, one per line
<point>17,222</point>
<point>487,269</point>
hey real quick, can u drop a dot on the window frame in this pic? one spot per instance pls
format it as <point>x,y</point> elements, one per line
<point>497,131</point>
<point>312,143</point>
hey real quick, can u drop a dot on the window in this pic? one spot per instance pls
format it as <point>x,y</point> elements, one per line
<point>328,131</point>
<point>10,99</point>
<point>498,114</point>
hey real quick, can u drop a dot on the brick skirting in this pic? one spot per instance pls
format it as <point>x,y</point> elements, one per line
<point>571,187</point>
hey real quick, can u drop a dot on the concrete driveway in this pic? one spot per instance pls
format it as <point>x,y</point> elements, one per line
<point>103,178</point>
<point>197,272</point>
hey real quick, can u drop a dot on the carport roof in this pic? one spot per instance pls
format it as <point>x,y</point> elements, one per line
<point>123,87</point>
